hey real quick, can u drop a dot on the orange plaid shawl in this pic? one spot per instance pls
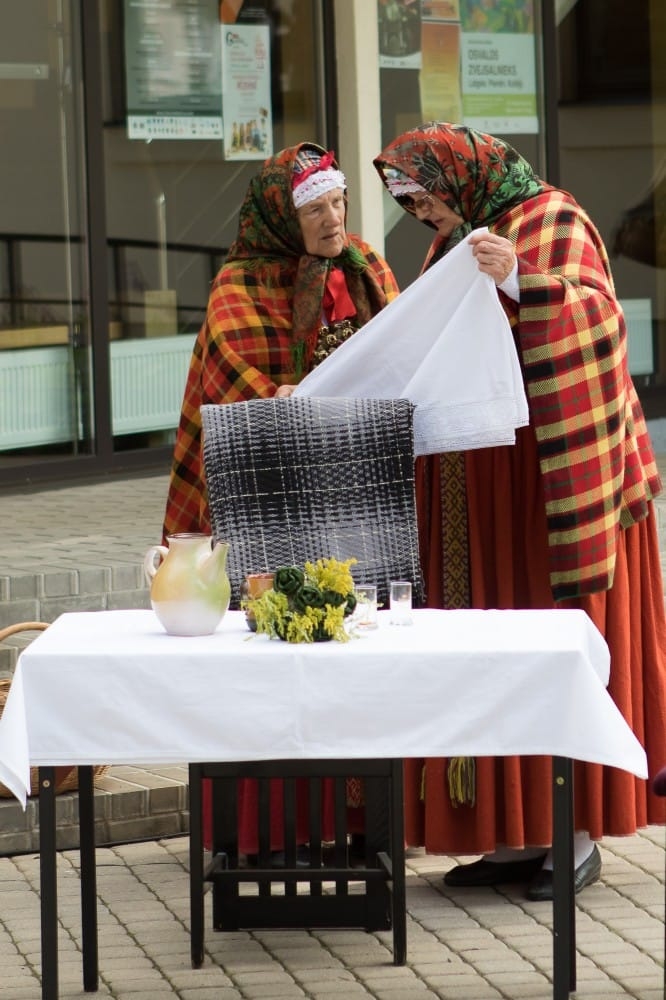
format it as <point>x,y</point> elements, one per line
<point>262,321</point>
<point>243,351</point>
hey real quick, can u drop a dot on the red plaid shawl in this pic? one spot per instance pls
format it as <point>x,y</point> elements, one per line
<point>594,451</point>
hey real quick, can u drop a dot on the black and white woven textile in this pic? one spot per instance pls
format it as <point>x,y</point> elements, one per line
<point>304,478</point>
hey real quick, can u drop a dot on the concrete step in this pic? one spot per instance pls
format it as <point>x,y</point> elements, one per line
<point>45,593</point>
<point>131,803</point>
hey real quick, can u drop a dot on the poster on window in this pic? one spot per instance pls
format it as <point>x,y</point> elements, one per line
<point>399,23</point>
<point>246,92</point>
<point>498,66</point>
<point>440,62</point>
<point>172,70</point>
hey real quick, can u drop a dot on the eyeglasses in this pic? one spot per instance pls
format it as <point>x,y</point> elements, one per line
<point>425,204</point>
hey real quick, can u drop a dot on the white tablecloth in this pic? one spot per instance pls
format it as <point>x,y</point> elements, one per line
<point>112,687</point>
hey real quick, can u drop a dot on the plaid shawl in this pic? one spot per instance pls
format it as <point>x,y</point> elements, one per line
<point>262,322</point>
<point>595,455</point>
<point>594,451</point>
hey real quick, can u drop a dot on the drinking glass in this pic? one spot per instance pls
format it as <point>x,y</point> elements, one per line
<point>401,602</point>
<point>253,586</point>
<point>365,612</point>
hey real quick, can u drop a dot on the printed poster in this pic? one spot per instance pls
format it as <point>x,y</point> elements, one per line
<point>246,91</point>
<point>172,70</point>
<point>476,59</point>
<point>440,62</point>
<point>498,66</point>
<point>399,23</point>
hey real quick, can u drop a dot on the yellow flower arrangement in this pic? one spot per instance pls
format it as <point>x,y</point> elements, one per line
<point>307,605</point>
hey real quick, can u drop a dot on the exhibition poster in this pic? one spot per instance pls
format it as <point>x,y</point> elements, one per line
<point>246,91</point>
<point>172,70</point>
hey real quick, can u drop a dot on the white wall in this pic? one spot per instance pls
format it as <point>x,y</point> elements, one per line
<point>357,47</point>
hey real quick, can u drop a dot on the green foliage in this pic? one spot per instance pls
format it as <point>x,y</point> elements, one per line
<point>307,605</point>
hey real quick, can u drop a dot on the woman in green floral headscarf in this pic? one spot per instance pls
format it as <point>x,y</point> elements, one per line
<point>563,518</point>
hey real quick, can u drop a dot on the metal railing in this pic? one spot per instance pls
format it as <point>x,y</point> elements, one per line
<point>19,308</point>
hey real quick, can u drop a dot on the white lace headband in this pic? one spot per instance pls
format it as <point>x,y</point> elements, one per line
<point>316,184</point>
<point>400,184</point>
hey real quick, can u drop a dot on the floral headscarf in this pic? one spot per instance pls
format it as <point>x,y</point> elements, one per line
<point>478,176</point>
<point>268,225</point>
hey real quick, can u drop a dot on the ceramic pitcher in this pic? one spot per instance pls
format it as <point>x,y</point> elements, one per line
<point>189,587</point>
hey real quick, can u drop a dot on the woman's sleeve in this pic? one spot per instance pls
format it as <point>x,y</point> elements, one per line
<point>565,281</point>
<point>244,352</point>
<point>568,254</point>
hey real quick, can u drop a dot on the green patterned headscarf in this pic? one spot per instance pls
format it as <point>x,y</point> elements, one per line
<point>478,176</point>
<point>269,233</point>
<point>270,243</point>
<point>268,226</point>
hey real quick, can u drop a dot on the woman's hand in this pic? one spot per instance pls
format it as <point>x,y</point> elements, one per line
<point>494,255</point>
<point>284,390</point>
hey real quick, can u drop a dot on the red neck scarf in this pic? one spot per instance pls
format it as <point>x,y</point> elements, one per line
<point>338,303</point>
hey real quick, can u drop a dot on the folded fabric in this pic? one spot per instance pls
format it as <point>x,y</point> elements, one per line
<point>446,345</point>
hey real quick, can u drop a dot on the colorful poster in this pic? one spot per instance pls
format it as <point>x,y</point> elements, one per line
<point>498,66</point>
<point>172,70</point>
<point>440,67</point>
<point>246,92</point>
<point>399,24</point>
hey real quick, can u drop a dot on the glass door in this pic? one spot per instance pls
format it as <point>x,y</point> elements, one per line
<point>196,95</point>
<point>612,129</point>
<point>457,61</point>
<point>46,407</point>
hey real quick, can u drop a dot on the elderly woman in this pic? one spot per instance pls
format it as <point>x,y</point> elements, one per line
<point>562,519</point>
<point>294,285</point>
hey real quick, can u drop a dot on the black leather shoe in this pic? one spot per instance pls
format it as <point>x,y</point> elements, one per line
<point>541,886</point>
<point>483,872</point>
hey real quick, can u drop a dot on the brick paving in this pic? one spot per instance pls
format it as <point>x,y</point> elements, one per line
<point>62,550</point>
<point>481,944</point>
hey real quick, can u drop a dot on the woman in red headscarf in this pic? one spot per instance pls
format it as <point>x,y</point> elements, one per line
<point>294,285</point>
<point>562,519</point>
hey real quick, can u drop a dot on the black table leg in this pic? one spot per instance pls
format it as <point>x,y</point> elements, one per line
<point>399,893</point>
<point>196,869</point>
<point>88,879</point>
<point>564,907</point>
<point>48,883</point>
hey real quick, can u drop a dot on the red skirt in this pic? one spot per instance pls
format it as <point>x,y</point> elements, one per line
<point>248,812</point>
<point>506,550</point>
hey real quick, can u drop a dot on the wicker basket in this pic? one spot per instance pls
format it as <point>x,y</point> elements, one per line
<point>67,778</point>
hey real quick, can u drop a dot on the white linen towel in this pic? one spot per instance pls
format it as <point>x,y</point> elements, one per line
<point>445,344</point>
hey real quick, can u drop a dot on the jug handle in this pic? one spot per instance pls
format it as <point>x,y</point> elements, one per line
<point>149,567</point>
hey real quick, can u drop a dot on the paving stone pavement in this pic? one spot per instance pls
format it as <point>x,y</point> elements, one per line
<point>472,944</point>
<point>81,547</point>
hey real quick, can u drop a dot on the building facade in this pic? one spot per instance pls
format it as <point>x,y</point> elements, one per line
<point>132,127</point>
